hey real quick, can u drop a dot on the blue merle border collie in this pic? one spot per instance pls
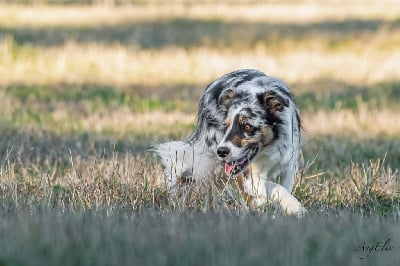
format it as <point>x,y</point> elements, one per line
<point>248,128</point>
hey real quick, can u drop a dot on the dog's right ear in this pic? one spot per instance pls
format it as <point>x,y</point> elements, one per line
<point>226,98</point>
<point>272,101</point>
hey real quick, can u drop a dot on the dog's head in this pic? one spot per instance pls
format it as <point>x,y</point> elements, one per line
<point>253,120</point>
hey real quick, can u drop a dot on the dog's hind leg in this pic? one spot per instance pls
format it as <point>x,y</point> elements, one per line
<point>184,162</point>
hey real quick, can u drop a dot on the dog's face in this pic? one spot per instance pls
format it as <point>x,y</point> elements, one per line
<point>252,123</point>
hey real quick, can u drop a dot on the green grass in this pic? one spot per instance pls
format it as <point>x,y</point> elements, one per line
<point>334,153</point>
<point>97,96</point>
<point>170,238</point>
<point>330,95</point>
<point>323,95</point>
<point>189,33</point>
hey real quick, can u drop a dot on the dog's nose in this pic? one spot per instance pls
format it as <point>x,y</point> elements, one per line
<point>223,151</point>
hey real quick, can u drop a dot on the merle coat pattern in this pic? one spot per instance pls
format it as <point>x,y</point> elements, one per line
<point>248,125</point>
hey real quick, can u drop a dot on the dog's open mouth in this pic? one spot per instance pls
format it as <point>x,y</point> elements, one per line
<point>238,166</point>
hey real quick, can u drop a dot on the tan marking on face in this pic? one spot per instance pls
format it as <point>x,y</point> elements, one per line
<point>240,181</point>
<point>246,141</point>
<point>266,135</point>
<point>249,171</point>
<point>241,119</point>
<point>237,140</point>
<point>241,178</point>
<point>228,122</point>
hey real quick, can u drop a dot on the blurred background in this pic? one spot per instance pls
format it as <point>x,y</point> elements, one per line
<point>94,77</point>
<point>87,86</point>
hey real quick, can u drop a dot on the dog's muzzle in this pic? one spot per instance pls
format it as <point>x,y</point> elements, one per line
<point>236,166</point>
<point>223,151</point>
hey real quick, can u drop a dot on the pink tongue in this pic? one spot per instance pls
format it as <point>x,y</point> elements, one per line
<point>228,168</point>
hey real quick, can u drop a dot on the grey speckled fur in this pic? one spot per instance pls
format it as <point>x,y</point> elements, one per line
<point>245,93</point>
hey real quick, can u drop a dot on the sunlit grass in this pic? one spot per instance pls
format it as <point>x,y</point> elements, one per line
<point>120,65</point>
<point>300,12</point>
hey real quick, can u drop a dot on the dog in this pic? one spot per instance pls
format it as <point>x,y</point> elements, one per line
<point>249,128</point>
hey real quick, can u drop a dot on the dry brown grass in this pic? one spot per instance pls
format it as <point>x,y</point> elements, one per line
<point>364,123</point>
<point>301,12</point>
<point>120,65</point>
<point>136,183</point>
<point>365,188</point>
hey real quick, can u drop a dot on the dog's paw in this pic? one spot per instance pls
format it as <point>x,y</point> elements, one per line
<point>295,209</point>
<point>302,212</point>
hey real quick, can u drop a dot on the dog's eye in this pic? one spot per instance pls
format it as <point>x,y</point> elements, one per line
<point>247,127</point>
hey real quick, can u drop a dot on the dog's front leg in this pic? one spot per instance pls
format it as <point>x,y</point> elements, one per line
<point>278,194</point>
<point>288,176</point>
<point>265,191</point>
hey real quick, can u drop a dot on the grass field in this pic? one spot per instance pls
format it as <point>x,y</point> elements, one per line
<point>86,90</point>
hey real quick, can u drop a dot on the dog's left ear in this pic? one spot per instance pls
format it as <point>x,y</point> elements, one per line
<point>272,101</point>
<point>226,98</point>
